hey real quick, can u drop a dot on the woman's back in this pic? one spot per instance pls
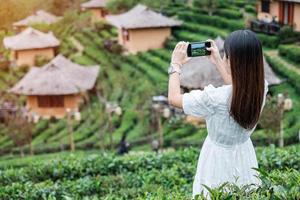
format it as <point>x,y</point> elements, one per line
<point>214,104</point>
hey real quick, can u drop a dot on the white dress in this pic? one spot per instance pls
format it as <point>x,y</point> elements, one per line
<point>227,154</point>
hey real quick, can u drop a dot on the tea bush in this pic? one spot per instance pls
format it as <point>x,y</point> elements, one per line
<point>143,176</point>
<point>291,52</point>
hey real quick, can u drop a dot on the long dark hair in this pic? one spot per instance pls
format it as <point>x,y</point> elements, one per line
<point>247,71</point>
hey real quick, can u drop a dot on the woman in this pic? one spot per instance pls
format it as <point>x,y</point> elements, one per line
<point>231,111</point>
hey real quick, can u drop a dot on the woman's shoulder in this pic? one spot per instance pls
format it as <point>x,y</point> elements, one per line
<point>215,95</point>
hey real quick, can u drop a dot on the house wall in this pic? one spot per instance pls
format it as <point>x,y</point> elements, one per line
<point>274,9</point>
<point>145,39</point>
<point>97,14</point>
<point>70,101</point>
<point>297,16</point>
<point>27,57</point>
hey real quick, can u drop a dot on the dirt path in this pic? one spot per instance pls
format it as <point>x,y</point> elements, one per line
<point>78,45</point>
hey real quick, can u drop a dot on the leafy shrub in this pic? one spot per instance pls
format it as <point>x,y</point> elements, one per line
<point>250,9</point>
<point>102,25</point>
<point>288,35</point>
<point>291,52</point>
<point>212,20</point>
<point>113,46</point>
<point>230,14</point>
<point>268,40</point>
<point>144,176</point>
<point>41,60</point>
<point>292,77</point>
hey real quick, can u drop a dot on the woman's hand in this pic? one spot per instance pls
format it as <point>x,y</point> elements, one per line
<point>214,57</point>
<point>179,55</point>
<point>219,62</point>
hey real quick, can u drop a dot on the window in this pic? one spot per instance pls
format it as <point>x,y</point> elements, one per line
<point>265,6</point>
<point>56,101</point>
<point>125,35</point>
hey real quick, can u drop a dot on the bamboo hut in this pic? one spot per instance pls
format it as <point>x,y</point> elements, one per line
<point>39,17</point>
<point>56,87</point>
<point>142,29</point>
<point>97,8</point>
<point>200,71</point>
<point>29,44</point>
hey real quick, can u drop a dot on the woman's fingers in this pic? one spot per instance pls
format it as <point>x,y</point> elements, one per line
<point>183,46</point>
<point>209,48</point>
<point>212,42</point>
<point>178,46</point>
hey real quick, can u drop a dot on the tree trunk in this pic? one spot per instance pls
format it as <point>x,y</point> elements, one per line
<point>21,151</point>
<point>31,148</point>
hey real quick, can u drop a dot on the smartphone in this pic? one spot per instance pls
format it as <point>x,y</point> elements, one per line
<point>198,49</point>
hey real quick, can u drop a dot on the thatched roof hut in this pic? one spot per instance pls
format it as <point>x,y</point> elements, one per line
<point>38,17</point>
<point>56,87</point>
<point>141,17</point>
<point>97,8</point>
<point>200,71</point>
<point>59,77</point>
<point>94,4</point>
<point>139,23</point>
<point>31,39</point>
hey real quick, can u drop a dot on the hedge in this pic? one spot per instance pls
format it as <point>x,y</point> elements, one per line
<point>229,14</point>
<point>205,30</point>
<point>250,9</point>
<point>291,52</point>
<point>292,77</point>
<point>217,21</point>
<point>268,40</point>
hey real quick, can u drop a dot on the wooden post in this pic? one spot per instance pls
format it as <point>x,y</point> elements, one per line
<point>70,129</point>
<point>110,130</point>
<point>281,132</point>
<point>160,131</point>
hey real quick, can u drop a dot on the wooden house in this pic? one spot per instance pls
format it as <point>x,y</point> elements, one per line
<point>97,8</point>
<point>56,87</point>
<point>39,17</point>
<point>29,44</point>
<point>142,29</point>
<point>283,11</point>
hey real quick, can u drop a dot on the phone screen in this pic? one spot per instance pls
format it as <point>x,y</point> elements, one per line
<point>198,49</point>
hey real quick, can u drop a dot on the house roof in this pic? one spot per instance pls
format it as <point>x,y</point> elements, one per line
<point>94,4</point>
<point>141,17</point>
<point>296,1</point>
<point>58,77</point>
<point>200,72</point>
<point>40,16</point>
<point>31,39</point>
